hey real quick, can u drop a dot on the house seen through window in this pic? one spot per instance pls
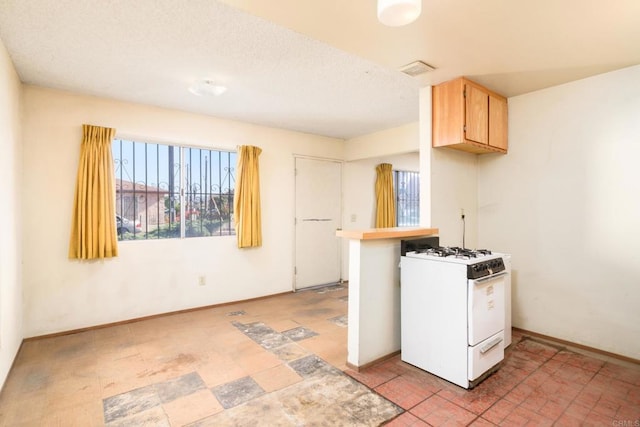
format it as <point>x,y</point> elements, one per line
<point>406,187</point>
<point>170,191</point>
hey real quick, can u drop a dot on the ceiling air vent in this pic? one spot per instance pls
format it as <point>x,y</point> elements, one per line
<point>416,68</point>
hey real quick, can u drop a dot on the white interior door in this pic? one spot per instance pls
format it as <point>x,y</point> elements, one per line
<point>317,217</point>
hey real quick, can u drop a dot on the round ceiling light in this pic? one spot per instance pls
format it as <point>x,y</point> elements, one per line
<point>395,13</point>
<point>207,88</point>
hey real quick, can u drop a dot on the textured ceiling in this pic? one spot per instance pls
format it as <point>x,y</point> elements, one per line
<point>151,51</point>
<point>511,46</point>
<point>325,67</point>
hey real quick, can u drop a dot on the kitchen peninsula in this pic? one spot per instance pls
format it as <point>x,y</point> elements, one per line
<point>374,291</point>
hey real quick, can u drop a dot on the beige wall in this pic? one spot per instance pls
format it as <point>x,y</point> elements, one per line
<point>148,277</point>
<point>565,202</point>
<point>398,146</point>
<point>10,215</point>
<point>359,204</point>
<point>454,186</point>
<point>399,140</point>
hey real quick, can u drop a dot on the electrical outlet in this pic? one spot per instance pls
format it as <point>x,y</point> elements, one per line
<point>461,213</point>
<point>202,281</point>
<point>353,217</point>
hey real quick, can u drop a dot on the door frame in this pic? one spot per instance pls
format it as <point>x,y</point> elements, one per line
<point>293,254</point>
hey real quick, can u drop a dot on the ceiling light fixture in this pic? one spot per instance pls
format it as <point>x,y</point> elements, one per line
<point>207,88</point>
<point>395,13</point>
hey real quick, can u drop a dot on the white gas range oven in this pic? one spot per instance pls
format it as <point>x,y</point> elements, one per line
<point>453,311</point>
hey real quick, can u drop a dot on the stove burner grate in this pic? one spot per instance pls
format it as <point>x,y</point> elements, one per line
<point>454,251</point>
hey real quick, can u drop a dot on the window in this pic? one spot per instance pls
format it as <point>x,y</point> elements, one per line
<point>406,186</point>
<point>168,191</point>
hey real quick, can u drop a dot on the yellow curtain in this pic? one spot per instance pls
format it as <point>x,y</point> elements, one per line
<point>385,200</point>
<point>93,231</point>
<point>246,199</point>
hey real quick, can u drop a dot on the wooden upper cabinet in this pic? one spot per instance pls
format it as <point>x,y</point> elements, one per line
<point>498,122</point>
<point>469,117</point>
<point>477,114</point>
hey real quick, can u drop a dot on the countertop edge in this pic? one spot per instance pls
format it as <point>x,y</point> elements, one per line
<point>386,233</point>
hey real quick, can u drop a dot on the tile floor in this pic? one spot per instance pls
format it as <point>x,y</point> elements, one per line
<point>538,384</point>
<point>281,361</point>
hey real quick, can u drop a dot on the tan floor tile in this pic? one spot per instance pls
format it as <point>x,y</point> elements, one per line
<point>113,386</point>
<point>32,353</point>
<point>88,414</point>
<point>320,343</point>
<point>192,408</point>
<point>70,346</point>
<point>157,348</point>
<point>26,380</point>
<point>309,316</point>
<point>337,337</point>
<point>185,333</point>
<point>83,365</point>
<point>169,365</point>
<point>73,340</point>
<point>115,349</point>
<point>209,335</point>
<point>128,366</point>
<point>143,331</point>
<point>23,411</point>
<point>282,324</point>
<point>336,356</point>
<point>231,342</point>
<point>276,378</point>
<point>258,362</point>
<point>326,327</point>
<point>239,348</point>
<point>199,342</point>
<point>72,391</point>
<point>220,369</point>
<point>123,375</point>
<point>12,394</point>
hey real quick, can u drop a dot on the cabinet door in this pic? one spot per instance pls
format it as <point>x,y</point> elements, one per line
<point>476,115</point>
<point>498,122</point>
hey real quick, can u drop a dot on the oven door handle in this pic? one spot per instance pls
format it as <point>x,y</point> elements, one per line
<point>491,344</point>
<point>493,276</point>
